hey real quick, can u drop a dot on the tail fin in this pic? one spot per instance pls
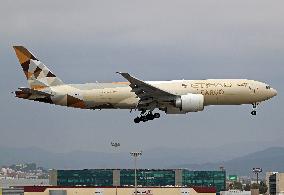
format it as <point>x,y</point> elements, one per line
<point>38,75</point>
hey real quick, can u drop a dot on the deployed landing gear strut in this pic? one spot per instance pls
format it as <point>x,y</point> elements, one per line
<point>146,117</point>
<point>254,106</point>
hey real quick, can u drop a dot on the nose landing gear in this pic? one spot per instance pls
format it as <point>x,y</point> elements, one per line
<point>254,106</point>
<point>146,117</point>
<point>253,112</point>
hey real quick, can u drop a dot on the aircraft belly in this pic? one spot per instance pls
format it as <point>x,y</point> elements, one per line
<point>232,99</point>
<point>235,98</point>
<point>112,98</point>
<point>232,94</point>
<point>210,100</point>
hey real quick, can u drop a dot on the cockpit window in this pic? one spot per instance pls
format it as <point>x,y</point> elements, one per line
<point>267,87</point>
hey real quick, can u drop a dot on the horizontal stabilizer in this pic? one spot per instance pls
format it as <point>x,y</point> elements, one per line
<point>34,92</point>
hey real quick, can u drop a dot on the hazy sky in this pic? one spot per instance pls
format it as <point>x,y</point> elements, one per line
<point>88,41</point>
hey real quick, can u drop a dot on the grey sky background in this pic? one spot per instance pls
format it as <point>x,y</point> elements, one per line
<point>88,41</point>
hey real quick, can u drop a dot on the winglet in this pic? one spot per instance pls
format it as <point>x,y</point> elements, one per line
<point>125,75</point>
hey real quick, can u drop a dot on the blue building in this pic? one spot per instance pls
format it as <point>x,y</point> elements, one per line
<point>145,177</point>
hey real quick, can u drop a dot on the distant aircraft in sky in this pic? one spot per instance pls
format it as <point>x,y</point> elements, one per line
<point>172,97</point>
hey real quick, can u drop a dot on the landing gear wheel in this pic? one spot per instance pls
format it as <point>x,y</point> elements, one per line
<point>144,118</point>
<point>254,106</point>
<point>137,120</point>
<point>150,116</point>
<point>157,115</point>
<point>253,113</point>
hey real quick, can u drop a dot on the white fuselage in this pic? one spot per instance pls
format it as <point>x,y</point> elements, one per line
<point>120,95</point>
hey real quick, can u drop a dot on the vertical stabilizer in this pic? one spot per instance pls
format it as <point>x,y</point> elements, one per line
<point>37,74</point>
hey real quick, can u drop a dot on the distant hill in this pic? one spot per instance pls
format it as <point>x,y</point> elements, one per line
<point>72,160</point>
<point>271,159</point>
<point>196,159</point>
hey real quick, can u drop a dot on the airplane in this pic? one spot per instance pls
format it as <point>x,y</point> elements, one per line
<point>115,144</point>
<point>172,97</point>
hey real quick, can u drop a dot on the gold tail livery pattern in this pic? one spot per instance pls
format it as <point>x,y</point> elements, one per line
<point>37,74</point>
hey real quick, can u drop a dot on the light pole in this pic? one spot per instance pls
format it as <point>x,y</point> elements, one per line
<point>257,171</point>
<point>115,145</point>
<point>135,155</point>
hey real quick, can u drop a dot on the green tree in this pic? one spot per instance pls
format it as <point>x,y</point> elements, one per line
<point>238,185</point>
<point>262,188</point>
<point>254,186</point>
<point>247,187</point>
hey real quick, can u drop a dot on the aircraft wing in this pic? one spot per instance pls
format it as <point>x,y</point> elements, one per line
<point>147,92</point>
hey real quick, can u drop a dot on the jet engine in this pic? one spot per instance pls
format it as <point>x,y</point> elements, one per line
<point>190,102</point>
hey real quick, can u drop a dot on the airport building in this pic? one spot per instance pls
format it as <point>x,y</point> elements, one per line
<point>275,183</point>
<point>145,178</point>
<point>12,191</point>
<point>56,190</point>
<point>49,190</point>
<point>235,192</point>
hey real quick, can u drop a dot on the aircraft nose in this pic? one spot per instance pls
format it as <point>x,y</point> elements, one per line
<point>273,92</point>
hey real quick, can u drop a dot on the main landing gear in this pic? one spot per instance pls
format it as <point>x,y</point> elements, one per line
<point>146,117</point>
<point>254,106</point>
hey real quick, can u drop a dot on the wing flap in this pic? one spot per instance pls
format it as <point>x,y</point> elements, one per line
<point>147,93</point>
<point>141,88</point>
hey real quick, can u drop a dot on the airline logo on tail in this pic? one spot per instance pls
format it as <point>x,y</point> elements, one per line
<point>37,74</point>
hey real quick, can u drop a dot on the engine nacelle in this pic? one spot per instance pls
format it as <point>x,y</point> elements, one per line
<point>190,102</point>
